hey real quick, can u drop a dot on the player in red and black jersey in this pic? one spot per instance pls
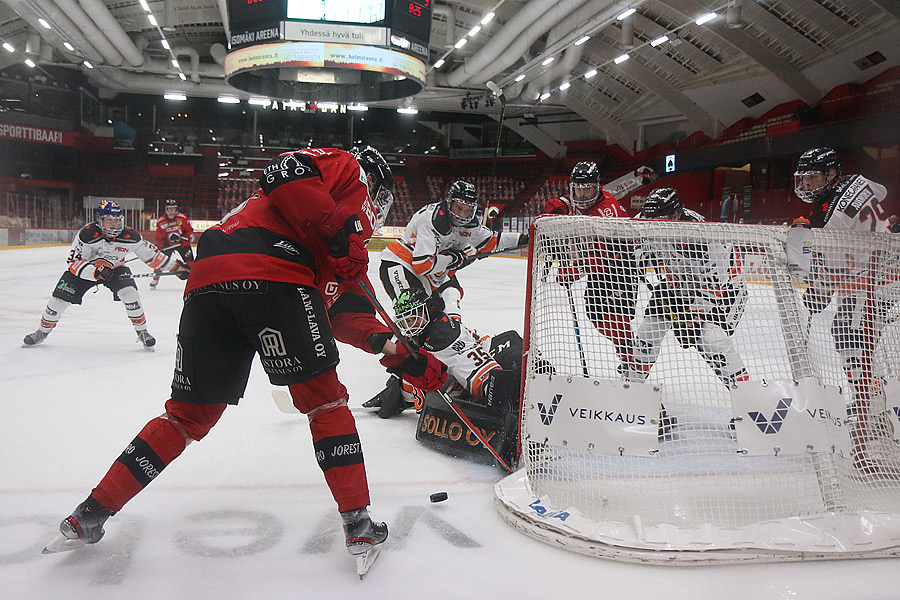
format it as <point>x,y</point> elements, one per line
<point>174,234</point>
<point>273,279</point>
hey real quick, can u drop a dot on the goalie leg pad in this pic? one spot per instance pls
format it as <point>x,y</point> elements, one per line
<point>648,341</point>
<point>442,430</point>
<point>717,349</point>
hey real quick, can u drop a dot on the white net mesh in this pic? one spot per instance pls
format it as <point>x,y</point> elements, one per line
<point>687,390</point>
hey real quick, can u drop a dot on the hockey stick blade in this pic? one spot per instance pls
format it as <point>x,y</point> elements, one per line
<point>62,544</point>
<point>284,402</point>
<point>365,561</point>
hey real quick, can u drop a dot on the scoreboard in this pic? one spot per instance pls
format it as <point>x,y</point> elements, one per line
<point>403,25</point>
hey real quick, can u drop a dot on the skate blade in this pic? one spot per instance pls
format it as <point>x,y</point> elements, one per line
<point>62,544</point>
<point>365,561</point>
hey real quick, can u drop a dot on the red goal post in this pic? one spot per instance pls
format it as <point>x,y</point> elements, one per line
<point>795,458</point>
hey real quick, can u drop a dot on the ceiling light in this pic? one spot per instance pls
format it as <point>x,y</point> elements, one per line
<point>88,65</point>
<point>626,14</point>
<point>565,86</point>
<point>474,30</point>
<point>487,18</point>
<point>152,20</point>
<point>461,43</point>
<point>548,60</point>
<point>259,101</point>
<point>620,59</point>
<point>8,47</point>
<point>582,40</point>
<point>706,18</point>
<point>69,46</point>
<point>182,76</point>
<point>44,24</point>
<point>175,63</point>
<point>408,110</point>
<point>439,63</point>
<point>30,63</point>
<point>357,107</point>
<point>145,6</point>
<point>520,77</point>
<point>544,96</point>
<point>164,43</point>
<point>174,96</point>
<point>660,40</point>
<point>228,100</point>
<point>327,106</point>
<point>591,73</point>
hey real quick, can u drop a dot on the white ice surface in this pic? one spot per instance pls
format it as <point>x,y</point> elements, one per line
<point>246,513</point>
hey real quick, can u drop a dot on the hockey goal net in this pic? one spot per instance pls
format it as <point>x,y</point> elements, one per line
<point>706,392</point>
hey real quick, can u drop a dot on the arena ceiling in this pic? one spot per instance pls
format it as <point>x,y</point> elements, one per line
<point>755,55</point>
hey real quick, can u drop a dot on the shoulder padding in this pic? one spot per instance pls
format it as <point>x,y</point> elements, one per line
<point>441,221</point>
<point>90,233</point>
<point>129,235</point>
<point>442,332</point>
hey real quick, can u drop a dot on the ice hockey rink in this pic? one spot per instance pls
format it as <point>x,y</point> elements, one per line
<point>246,514</point>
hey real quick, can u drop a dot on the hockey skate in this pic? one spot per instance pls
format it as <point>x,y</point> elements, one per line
<point>146,339</point>
<point>33,339</point>
<point>82,527</point>
<point>363,538</point>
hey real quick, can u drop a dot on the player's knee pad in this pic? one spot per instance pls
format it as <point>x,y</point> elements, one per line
<point>193,420</point>
<point>648,340</point>
<point>56,306</point>
<point>321,391</point>
<point>131,298</point>
<point>718,350</point>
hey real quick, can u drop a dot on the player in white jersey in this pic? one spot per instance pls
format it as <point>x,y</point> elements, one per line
<point>439,240</point>
<point>699,292</point>
<point>98,257</point>
<point>856,203</point>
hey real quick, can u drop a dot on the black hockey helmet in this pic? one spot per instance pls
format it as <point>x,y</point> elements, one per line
<point>381,184</point>
<point>462,204</point>
<point>812,178</point>
<point>411,311</point>
<point>110,219</point>
<point>584,185</point>
<point>663,203</point>
<point>171,208</point>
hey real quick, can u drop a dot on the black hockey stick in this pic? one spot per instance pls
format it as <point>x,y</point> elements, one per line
<point>577,330</point>
<point>413,351</point>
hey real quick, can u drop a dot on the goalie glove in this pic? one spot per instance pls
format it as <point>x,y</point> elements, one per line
<point>347,252</point>
<point>557,206</point>
<point>421,369</point>
<point>181,270</point>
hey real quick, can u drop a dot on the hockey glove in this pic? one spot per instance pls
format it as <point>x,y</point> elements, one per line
<point>347,251</point>
<point>556,206</point>
<point>421,369</point>
<point>104,272</point>
<point>181,270</point>
<point>458,259</point>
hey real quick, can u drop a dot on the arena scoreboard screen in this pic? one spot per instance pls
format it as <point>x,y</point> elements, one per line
<point>403,25</point>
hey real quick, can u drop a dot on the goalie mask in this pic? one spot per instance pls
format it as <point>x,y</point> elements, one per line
<point>584,185</point>
<point>110,219</point>
<point>814,177</point>
<point>663,203</point>
<point>411,312</point>
<point>462,204</point>
<point>379,180</point>
<point>171,208</point>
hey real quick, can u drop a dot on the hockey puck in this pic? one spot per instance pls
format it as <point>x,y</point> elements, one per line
<point>438,496</point>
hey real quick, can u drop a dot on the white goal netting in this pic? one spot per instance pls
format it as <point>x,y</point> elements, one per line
<point>702,392</point>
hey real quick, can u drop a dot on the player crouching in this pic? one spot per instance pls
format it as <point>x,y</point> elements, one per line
<point>486,379</point>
